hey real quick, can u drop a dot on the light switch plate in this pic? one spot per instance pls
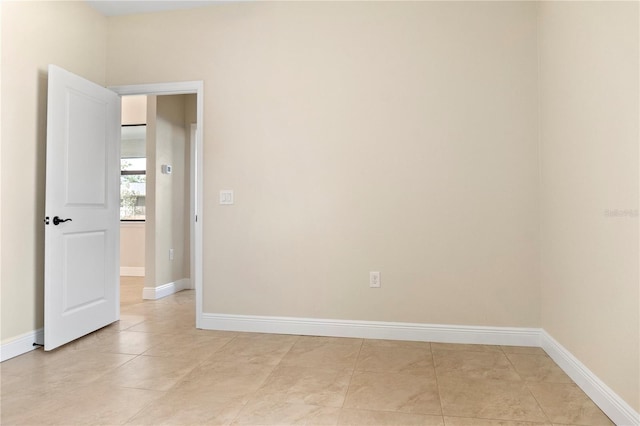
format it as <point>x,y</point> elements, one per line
<point>226,196</point>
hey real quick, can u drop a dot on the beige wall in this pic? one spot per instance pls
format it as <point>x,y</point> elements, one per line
<point>134,109</point>
<point>399,137</point>
<point>132,240</point>
<point>170,197</point>
<point>150,200</point>
<point>34,35</point>
<point>589,165</point>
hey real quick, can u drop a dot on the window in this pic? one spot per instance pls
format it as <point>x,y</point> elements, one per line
<point>133,174</point>
<point>133,182</point>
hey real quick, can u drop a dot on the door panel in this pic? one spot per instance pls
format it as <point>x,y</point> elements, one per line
<point>86,180</point>
<point>83,184</point>
<point>84,283</point>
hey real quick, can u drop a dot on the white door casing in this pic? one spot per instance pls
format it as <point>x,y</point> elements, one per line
<point>82,184</point>
<point>197,172</point>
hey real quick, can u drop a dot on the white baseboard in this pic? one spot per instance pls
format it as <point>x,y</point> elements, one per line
<point>508,336</point>
<point>609,402</point>
<point>152,293</point>
<point>21,344</point>
<point>132,271</point>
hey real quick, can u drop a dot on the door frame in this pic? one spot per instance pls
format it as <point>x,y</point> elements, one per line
<point>196,194</point>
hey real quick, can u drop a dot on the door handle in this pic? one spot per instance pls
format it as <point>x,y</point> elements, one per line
<point>57,220</point>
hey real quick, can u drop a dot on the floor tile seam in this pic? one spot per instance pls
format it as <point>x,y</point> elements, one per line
<point>435,374</point>
<point>252,395</point>
<point>353,370</point>
<point>121,365</point>
<point>407,373</point>
<point>527,385</point>
<point>465,377</point>
<point>370,410</point>
<point>233,338</point>
<point>498,419</point>
<point>144,406</point>
<point>515,369</point>
<point>279,363</point>
<point>524,379</point>
<point>548,420</point>
<point>400,373</point>
<point>357,358</point>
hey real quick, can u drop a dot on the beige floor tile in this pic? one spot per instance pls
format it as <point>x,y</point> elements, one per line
<point>281,413</point>
<point>127,342</point>
<point>473,365</point>
<point>255,349</point>
<point>311,386</point>
<point>226,379</point>
<point>460,421</point>
<point>538,368</point>
<point>568,404</point>
<point>90,405</point>
<point>323,354</point>
<point>148,309</point>
<point>350,417</point>
<point>189,408</point>
<point>407,393</point>
<point>78,367</point>
<point>131,290</point>
<point>197,347</point>
<point>168,325</point>
<point>489,399</point>
<point>25,398</point>
<point>322,340</point>
<point>523,350</point>
<point>397,344</point>
<point>30,362</point>
<point>128,320</point>
<point>152,373</point>
<point>467,348</point>
<point>395,357</point>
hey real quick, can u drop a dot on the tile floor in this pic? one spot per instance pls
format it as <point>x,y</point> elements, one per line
<point>153,367</point>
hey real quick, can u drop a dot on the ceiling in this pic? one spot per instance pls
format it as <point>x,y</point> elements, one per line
<point>131,7</point>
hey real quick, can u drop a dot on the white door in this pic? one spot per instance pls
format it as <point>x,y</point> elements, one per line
<point>82,189</point>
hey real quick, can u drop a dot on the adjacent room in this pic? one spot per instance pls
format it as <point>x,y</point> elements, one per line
<point>410,213</point>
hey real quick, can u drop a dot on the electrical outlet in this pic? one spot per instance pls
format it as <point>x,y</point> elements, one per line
<point>374,279</point>
<point>170,254</point>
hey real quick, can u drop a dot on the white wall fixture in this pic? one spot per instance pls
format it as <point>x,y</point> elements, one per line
<point>166,169</point>
<point>374,279</point>
<point>226,196</point>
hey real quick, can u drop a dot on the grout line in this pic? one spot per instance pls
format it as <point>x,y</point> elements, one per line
<point>353,370</point>
<point>435,374</point>
<point>526,384</point>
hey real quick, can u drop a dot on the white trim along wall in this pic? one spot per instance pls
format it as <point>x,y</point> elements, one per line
<point>21,344</point>
<point>181,88</point>
<point>152,293</point>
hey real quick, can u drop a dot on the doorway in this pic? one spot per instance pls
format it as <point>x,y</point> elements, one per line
<point>172,200</point>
